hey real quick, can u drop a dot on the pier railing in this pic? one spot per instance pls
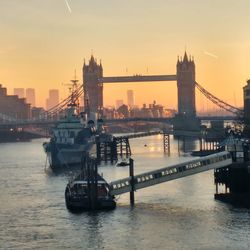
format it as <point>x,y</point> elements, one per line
<point>147,179</point>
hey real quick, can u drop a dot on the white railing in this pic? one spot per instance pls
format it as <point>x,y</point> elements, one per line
<point>201,164</point>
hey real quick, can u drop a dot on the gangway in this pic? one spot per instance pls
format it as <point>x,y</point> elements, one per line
<point>218,160</point>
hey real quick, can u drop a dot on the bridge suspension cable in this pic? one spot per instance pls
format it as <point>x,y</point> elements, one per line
<point>219,102</point>
<point>61,105</point>
<point>71,98</point>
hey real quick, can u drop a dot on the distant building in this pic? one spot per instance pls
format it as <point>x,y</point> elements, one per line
<point>12,106</point>
<point>131,100</point>
<point>246,90</point>
<point>118,103</point>
<point>30,97</point>
<point>19,92</point>
<point>123,111</point>
<point>53,98</point>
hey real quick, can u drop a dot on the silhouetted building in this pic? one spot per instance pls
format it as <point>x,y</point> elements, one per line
<point>123,111</point>
<point>13,106</point>
<point>37,112</point>
<point>246,96</point>
<point>118,103</point>
<point>93,88</point>
<point>131,100</point>
<point>31,97</point>
<point>246,91</point>
<point>53,99</point>
<point>19,92</point>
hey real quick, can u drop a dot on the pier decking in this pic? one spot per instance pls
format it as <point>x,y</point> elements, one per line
<point>161,175</point>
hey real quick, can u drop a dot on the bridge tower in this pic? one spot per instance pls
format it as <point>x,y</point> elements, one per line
<point>93,88</point>
<point>186,117</point>
<point>186,86</point>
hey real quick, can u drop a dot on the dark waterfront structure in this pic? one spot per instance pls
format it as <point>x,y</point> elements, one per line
<point>246,92</point>
<point>12,106</point>
<point>246,96</point>
<point>236,180</point>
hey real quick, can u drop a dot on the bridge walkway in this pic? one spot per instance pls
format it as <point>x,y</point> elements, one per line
<point>161,175</point>
<point>138,135</point>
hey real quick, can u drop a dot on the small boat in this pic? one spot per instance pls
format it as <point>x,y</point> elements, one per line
<point>78,194</point>
<point>122,163</point>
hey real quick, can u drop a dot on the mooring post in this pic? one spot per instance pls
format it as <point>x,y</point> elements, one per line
<point>200,143</point>
<point>178,145</point>
<point>88,180</point>
<point>131,175</point>
<point>166,143</point>
<point>127,144</point>
<point>98,151</point>
<point>95,191</point>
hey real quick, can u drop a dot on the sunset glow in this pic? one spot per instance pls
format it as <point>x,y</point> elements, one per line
<point>43,42</point>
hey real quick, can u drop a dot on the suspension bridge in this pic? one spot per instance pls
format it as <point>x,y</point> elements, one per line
<point>92,92</point>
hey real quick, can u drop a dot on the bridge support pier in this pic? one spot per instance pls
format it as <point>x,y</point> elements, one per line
<point>132,182</point>
<point>187,123</point>
<point>106,151</point>
<point>123,146</point>
<point>166,143</point>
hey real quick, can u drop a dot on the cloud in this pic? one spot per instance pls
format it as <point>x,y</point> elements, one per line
<point>210,54</point>
<point>67,4</point>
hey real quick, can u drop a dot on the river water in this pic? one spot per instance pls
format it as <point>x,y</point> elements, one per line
<point>180,214</point>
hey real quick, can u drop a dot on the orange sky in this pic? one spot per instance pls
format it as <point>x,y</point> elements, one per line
<point>43,42</point>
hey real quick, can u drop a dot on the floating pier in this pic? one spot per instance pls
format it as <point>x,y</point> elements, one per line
<point>235,178</point>
<point>169,173</point>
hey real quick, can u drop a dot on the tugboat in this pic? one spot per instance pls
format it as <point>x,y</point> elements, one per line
<point>87,194</point>
<point>72,136</point>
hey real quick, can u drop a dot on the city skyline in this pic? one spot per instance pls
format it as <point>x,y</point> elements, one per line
<point>44,43</point>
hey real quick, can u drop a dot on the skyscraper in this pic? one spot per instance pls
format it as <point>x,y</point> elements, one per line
<point>53,98</point>
<point>131,100</point>
<point>19,92</point>
<point>30,96</point>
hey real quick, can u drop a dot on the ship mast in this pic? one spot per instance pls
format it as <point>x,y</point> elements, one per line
<point>74,101</point>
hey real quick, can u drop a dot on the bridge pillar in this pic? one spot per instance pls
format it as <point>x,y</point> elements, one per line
<point>93,88</point>
<point>186,117</point>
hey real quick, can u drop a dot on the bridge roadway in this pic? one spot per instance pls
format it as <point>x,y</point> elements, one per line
<point>167,120</point>
<point>170,131</point>
<point>138,135</point>
<point>138,78</point>
<point>177,171</point>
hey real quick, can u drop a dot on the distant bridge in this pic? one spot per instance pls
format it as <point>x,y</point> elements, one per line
<point>138,78</point>
<point>168,120</point>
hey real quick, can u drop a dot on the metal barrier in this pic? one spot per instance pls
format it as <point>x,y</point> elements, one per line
<point>148,179</point>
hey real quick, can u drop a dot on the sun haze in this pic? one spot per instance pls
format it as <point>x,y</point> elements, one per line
<point>42,42</point>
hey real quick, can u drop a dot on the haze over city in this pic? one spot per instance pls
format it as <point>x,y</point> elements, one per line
<point>43,42</point>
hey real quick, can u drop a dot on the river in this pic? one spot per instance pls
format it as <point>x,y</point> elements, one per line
<point>180,214</point>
